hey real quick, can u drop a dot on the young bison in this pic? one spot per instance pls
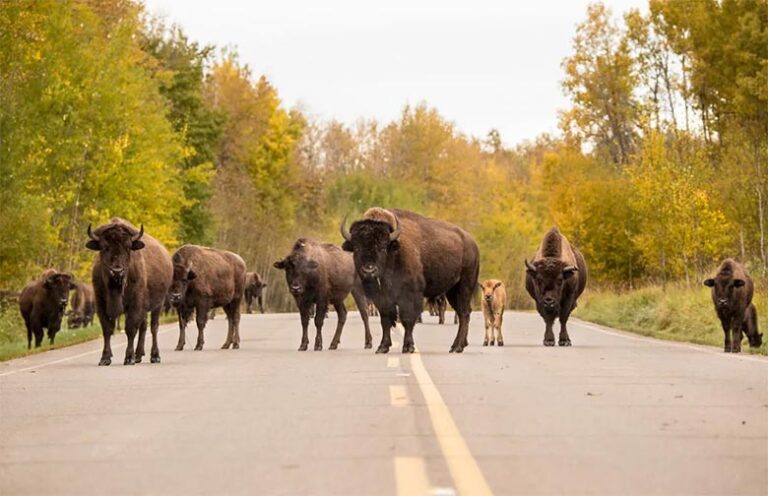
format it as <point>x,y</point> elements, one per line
<point>254,289</point>
<point>42,303</point>
<point>732,291</point>
<point>555,280</point>
<point>204,278</point>
<point>494,299</point>
<point>83,306</point>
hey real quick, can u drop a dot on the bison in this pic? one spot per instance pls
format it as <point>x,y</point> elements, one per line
<point>254,289</point>
<point>83,306</point>
<point>403,257</point>
<point>494,299</point>
<point>131,275</point>
<point>318,274</point>
<point>205,278</point>
<point>42,303</point>
<point>555,280</point>
<point>437,307</point>
<point>732,291</point>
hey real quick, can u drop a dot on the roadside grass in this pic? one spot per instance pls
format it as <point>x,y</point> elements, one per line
<point>13,335</point>
<point>678,313</point>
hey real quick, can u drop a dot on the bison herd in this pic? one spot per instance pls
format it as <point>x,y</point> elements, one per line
<point>390,261</point>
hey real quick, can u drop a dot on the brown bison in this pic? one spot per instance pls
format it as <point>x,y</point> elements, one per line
<point>555,280</point>
<point>205,278</point>
<point>254,289</point>
<point>494,299</point>
<point>131,275</point>
<point>83,306</point>
<point>318,274</point>
<point>403,257</point>
<point>42,303</point>
<point>732,291</point>
<point>437,307</point>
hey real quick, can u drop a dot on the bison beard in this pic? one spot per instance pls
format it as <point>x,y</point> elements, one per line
<point>131,274</point>
<point>403,257</point>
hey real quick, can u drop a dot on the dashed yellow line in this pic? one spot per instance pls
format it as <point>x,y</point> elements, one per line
<point>398,396</point>
<point>411,476</point>
<point>393,362</point>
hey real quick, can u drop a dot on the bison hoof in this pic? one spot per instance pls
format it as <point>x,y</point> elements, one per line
<point>235,346</point>
<point>198,347</point>
<point>549,342</point>
<point>409,348</point>
<point>485,343</point>
<point>137,359</point>
<point>179,347</point>
<point>493,343</point>
<point>368,346</point>
<point>564,342</point>
<point>318,347</point>
<point>457,349</point>
<point>333,346</point>
<point>303,347</point>
<point>225,346</point>
<point>500,343</point>
<point>382,349</point>
<point>129,361</point>
<point>105,361</point>
<point>155,359</point>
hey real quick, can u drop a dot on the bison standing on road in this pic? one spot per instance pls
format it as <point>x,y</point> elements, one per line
<point>318,274</point>
<point>555,280</point>
<point>254,289</point>
<point>42,303</point>
<point>131,275</point>
<point>732,291</point>
<point>403,257</point>
<point>83,306</point>
<point>437,307</point>
<point>494,299</point>
<point>205,278</point>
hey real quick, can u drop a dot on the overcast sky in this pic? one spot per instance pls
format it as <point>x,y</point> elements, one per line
<point>483,64</point>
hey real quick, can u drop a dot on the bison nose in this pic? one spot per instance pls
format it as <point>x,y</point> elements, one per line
<point>63,302</point>
<point>295,288</point>
<point>116,271</point>
<point>722,301</point>
<point>369,268</point>
<point>549,301</point>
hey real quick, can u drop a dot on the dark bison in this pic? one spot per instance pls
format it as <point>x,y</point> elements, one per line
<point>131,275</point>
<point>205,278</point>
<point>403,257</point>
<point>555,280</point>
<point>437,306</point>
<point>732,291</point>
<point>83,306</point>
<point>254,289</point>
<point>320,274</point>
<point>42,303</point>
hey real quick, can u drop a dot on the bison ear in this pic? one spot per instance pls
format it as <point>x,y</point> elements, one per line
<point>191,276</point>
<point>312,264</point>
<point>737,283</point>
<point>347,246</point>
<point>496,285</point>
<point>280,264</point>
<point>92,244</point>
<point>394,245</point>
<point>709,283</point>
<point>529,267</point>
<point>137,244</point>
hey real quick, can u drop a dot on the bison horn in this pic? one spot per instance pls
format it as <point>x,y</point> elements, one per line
<point>344,231</point>
<point>396,233</point>
<point>141,233</point>
<point>530,266</point>
<point>91,235</point>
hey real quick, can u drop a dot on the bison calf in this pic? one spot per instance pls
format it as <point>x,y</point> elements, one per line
<point>732,291</point>
<point>254,289</point>
<point>494,299</point>
<point>205,278</point>
<point>318,274</point>
<point>83,306</point>
<point>555,280</point>
<point>42,303</point>
<point>437,307</point>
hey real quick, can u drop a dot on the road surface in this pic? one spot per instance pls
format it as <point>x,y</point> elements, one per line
<point>614,414</point>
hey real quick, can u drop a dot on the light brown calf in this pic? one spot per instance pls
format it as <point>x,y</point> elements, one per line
<point>494,299</point>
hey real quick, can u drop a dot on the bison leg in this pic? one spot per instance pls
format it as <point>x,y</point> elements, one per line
<point>52,330</point>
<point>261,304</point>
<point>304,312</point>
<point>362,307</point>
<point>183,315</point>
<point>488,330</point>
<point>132,323</point>
<point>201,318</point>
<point>107,327</point>
<point>341,311</point>
<point>248,303</point>
<point>727,335</point>
<point>140,342</point>
<point>233,325</point>
<point>460,297</point>
<point>549,335</point>
<point>37,329</point>
<point>29,334</point>
<point>320,310</point>
<point>155,323</point>
<point>750,327</point>
<point>499,338</point>
<point>388,319</point>
<point>737,336</point>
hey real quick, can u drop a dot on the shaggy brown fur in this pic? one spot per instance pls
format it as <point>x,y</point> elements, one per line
<point>494,299</point>
<point>42,303</point>
<point>254,289</point>
<point>732,291</point>
<point>131,275</point>
<point>203,279</point>
<point>83,306</point>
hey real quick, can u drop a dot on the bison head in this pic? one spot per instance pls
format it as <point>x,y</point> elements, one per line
<point>58,285</point>
<point>488,287</point>
<point>115,243</point>
<point>723,289</point>
<point>548,277</point>
<point>300,269</point>
<point>182,276</point>
<point>371,242</point>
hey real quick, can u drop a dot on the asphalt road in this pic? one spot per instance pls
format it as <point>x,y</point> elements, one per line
<point>614,414</point>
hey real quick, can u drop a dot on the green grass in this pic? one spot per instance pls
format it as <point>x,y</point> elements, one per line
<point>675,314</point>
<point>13,335</point>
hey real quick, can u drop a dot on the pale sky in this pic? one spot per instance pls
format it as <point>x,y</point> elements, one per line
<point>483,64</point>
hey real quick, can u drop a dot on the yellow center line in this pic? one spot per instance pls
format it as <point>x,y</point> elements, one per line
<point>466,474</point>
